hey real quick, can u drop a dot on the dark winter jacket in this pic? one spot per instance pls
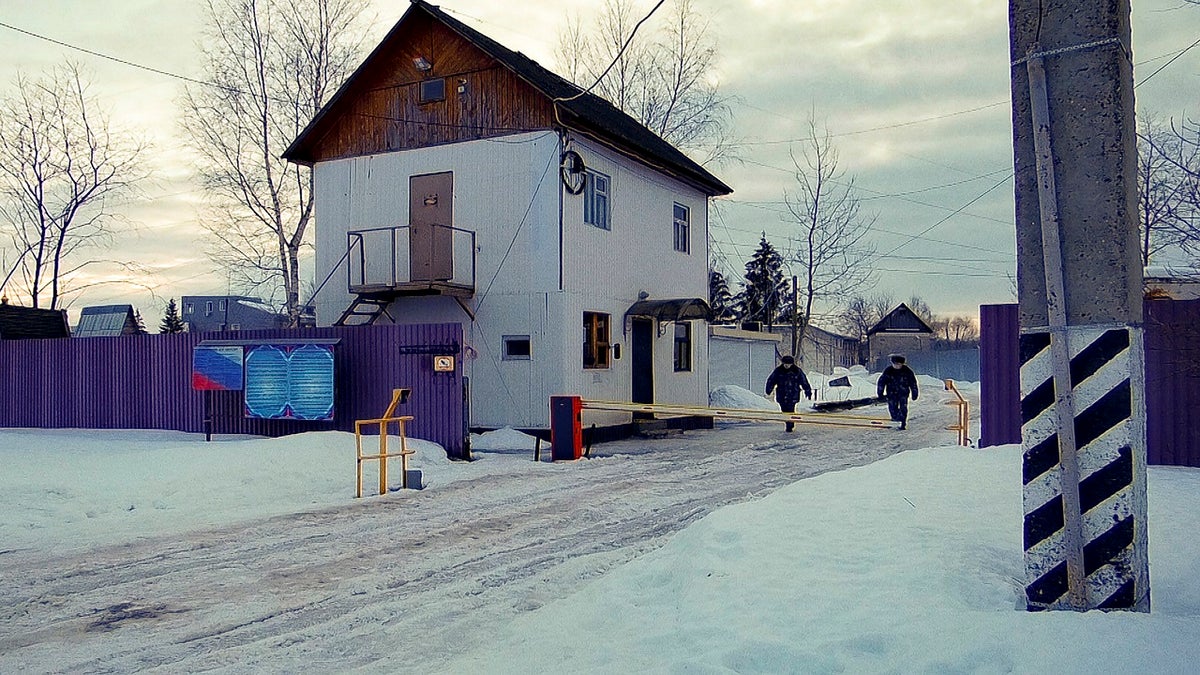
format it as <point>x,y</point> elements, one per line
<point>789,381</point>
<point>898,383</point>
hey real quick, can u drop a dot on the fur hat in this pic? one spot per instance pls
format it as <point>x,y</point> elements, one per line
<point>787,360</point>
<point>898,358</point>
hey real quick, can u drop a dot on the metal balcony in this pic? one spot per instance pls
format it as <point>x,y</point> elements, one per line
<point>391,262</point>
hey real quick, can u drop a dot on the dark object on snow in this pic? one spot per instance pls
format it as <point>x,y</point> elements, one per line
<point>897,382</point>
<point>831,406</point>
<point>843,381</point>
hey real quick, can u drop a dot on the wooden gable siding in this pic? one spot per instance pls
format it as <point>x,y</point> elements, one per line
<point>383,113</point>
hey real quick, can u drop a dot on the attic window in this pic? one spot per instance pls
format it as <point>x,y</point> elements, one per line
<point>432,90</point>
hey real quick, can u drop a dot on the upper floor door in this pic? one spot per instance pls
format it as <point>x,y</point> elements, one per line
<point>430,217</point>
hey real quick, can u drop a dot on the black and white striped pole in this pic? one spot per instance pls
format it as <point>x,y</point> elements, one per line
<point>1080,287</point>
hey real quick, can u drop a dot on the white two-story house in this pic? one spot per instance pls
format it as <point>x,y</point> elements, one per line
<point>459,181</point>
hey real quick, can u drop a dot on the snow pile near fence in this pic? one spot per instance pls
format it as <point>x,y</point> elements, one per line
<point>737,398</point>
<point>506,439</point>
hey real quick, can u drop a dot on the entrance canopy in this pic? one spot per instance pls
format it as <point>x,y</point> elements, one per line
<point>677,309</point>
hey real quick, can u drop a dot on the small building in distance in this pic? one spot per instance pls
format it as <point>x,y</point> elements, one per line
<point>31,323</point>
<point>900,331</point>
<point>106,321</point>
<point>212,313</point>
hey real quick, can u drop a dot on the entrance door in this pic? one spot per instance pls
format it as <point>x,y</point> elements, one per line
<point>641,357</point>
<point>430,215</point>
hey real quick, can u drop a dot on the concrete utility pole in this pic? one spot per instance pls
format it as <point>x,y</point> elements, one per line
<point>1080,286</point>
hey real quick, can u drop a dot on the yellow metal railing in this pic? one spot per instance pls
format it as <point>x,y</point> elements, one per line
<point>963,425</point>
<point>385,422</point>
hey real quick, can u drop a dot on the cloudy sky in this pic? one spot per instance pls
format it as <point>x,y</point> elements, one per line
<point>915,93</point>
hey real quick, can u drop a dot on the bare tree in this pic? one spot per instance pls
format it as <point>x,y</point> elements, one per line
<point>61,166</point>
<point>270,65</point>
<point>667,80</point>
<point>1165,189</point>
<point>863,311</point>
<point>1186,162</point>
<point>921,308</point>
<point>831,255</point>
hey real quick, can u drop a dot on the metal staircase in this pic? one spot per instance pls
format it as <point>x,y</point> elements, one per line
<point>364,311</point>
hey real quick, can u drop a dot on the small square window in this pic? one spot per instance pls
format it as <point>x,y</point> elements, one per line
<point>595,200</point>
<point>431,90</point>
<point>517,348</point>
<point>235,326</point>
<point>189,308</point>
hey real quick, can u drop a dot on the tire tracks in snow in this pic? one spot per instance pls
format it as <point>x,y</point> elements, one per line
<point>404,582</point>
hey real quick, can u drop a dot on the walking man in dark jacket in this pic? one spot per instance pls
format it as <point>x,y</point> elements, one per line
<point>787,380</point>
<point>897,383</point>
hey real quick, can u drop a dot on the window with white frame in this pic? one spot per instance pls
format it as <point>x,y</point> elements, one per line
<point>683,346</point>
<point>517,348</point>
<point>596,200</point>
<point>595,339</point>
<point>208,308</point>
<point>683,229</point>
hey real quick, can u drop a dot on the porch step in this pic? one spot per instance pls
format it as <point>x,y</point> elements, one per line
<point>653,428</point>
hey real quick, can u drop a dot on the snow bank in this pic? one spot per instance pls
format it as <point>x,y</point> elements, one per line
<point>739,398</point>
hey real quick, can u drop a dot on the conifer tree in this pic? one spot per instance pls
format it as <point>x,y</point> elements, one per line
<point>139,324</point>
<point>765,288</point>
<point>171,323</point>
<point>720,299</point>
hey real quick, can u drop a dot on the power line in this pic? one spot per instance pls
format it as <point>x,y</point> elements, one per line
<point>877,192</point>
<point>1160,68</point>
<point>616,58</point>
<point>885,127</point>
<point>981,195</point>
<point>115,59</point>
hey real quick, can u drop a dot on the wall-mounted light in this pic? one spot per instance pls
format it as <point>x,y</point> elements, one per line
<point>422,64</point>
<point>462,86</point>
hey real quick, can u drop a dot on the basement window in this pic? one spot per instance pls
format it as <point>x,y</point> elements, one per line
<point>430,91</point>
<point>517,348</point>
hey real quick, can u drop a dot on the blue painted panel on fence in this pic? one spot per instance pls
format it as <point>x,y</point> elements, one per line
<point>311,381</point>
<point>289,382</point>
<point>217,368</point>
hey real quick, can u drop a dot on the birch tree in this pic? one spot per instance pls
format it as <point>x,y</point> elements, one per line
<point>62,166</point>
<point>270,66</point>
<point>831,254</point>
<point>666,78</point>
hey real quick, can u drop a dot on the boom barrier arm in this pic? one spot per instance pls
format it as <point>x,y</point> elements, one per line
<point>823,419</point>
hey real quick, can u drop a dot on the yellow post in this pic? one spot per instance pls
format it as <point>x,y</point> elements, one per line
<point>963,424</point>
<point>383,456</point>
<point>398,396</point>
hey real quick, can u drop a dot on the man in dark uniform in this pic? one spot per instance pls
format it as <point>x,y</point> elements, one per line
<point>787,379</point>
<point>897,383</point>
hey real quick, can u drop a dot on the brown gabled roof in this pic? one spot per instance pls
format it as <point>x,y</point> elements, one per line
<point>29,323</point>
<point>583,112</point>
<point>900,320</point>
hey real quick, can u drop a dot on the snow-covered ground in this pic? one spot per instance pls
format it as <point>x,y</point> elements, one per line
<point>742,549</point>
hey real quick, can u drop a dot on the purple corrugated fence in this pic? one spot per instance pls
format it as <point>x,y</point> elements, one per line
<point>1172,336</point>
<point>999,375</point>
<point>144,382</point>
